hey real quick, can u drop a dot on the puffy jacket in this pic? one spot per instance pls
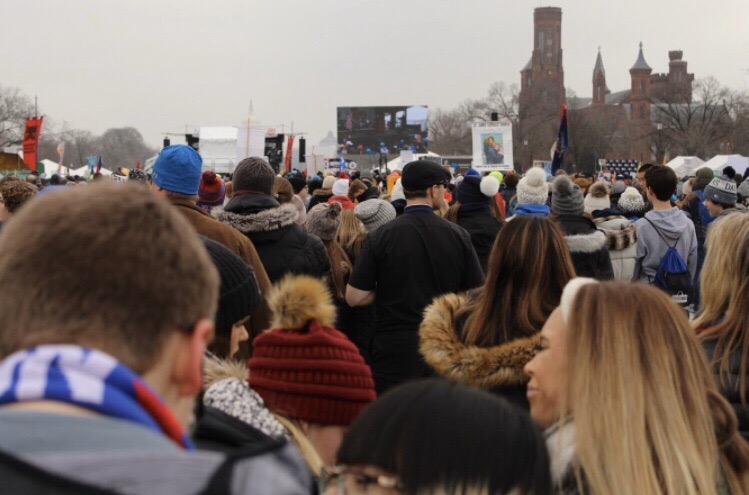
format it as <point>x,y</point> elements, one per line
<point>587,247</point>
<point>283,245</point>
<point>483,227</point>
<point>621,241</point>
<point>345,202</point>
<point>497,368</point>
<point>730,389</point>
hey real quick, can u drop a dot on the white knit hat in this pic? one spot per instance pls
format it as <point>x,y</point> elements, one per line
<point>597,198</point>
<point>631,201</point>
<point>570,292</point>
<point>340,187</point>
<point>533,188</point>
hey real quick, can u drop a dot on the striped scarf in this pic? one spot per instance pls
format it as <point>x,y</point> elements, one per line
<point>89,379</point>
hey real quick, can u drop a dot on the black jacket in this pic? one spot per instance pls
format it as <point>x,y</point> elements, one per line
<point>587,247</point>
<point>730,389</point>
<point>483,227</point>
<point>283,245</point>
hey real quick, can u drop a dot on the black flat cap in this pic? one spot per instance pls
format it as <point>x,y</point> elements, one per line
<point>422,174</point>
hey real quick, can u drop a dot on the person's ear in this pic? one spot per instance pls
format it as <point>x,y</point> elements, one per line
<point>189,368</point>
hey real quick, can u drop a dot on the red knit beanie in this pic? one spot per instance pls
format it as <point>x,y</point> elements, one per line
<point>305,369</point>
<point>212,190</point>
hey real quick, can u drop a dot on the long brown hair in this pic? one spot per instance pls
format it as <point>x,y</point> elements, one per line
<point>452,212</point>
<point>351,234</point>
<point>357,187</point>
<point>724,316</point>
<point>283,190</point>
<point>529,266</point>
<point>340,267</point>
<point>650,417</point>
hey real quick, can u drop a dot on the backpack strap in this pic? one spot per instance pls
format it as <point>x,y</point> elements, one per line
<point>661,235</point>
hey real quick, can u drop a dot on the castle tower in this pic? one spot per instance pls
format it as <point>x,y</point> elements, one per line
<point>542,79</point>
<point>640,97</point>
<point>678,78</point>
<point>600,90</point>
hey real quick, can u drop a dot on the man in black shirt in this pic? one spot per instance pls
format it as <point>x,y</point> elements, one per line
<point>404,265</point>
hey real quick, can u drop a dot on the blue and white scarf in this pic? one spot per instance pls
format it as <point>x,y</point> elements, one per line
<point>89,379</point>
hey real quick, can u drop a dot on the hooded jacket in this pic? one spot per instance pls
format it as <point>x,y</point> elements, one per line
<point>621,241</point>
<point>345,202</point>
<point>483,227</point>
<point>319,196</point>
<point>283,245</point>
<point>678,230</point>
<point>587,245</point>
<point>498,368</point>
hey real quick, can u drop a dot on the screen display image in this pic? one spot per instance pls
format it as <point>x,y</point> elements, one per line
<point>376,130</point>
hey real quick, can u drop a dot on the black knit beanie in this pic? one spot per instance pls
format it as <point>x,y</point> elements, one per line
<point>253,174</point>
<point>239,294</point>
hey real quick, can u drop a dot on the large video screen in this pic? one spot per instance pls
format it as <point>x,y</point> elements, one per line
<point>374,130</point>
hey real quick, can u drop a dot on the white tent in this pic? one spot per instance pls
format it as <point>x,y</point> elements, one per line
<point>218,148</point>
<point>719,162</point>
<point>398,163</point>
<point>685,165</point>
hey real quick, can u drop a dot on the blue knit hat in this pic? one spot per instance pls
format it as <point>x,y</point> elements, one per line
<point>177,169</point>
<point>473,172</point>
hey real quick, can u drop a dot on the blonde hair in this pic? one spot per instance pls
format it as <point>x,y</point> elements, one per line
<point>724,316</point>
<point>308,451</point>
<point>650,417</point>
<point>351,234</point>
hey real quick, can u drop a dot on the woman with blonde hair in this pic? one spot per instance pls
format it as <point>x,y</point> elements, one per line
<point>723,321</point>
<point>485,337</point>
<point>631,408</point>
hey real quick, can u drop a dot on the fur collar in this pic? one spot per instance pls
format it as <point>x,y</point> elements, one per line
<point>214,371</point>
<point>623,238</point>
<point>586,243</point>
<point>484,367</point>
<point>263,221</point>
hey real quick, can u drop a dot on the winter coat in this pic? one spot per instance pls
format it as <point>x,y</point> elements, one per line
<point>240,245</point>
<point>399,205</point>
<point>283,245</point>
<point>483,227</point>
<point>319,196</point>
<point>345,202</point>
<point>497,368</point>
<point>507,194</point>
<point>587,245</point>
<point>358,323</point>
<point>729,389</point>
<point>621,241</point>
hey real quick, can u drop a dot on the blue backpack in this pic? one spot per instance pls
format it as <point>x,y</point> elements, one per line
<point>672,274</point>
<point>705,217</point>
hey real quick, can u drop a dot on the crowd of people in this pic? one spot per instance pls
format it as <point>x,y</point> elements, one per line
<point>406,332</point>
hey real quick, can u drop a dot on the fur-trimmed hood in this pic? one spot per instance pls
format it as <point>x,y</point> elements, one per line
<point>621,233</point>
<point>298,299</point>
<point>586,243</point>
<point>262,221</point>
<point>488,368</point>
<point>216,370</point>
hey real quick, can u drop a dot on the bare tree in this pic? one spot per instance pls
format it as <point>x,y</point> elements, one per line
<point>15,107</point>
<point>701,128</point>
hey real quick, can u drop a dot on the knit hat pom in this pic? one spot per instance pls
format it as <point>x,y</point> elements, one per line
<point>562,186</point>
<point>209,177</point>
<point>297,300</point>
<point>598,190</point>
<point>535,177</point>
<point>489,186</point>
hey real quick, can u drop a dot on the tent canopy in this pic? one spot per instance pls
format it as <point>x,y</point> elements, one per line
<point>719,162</point>
<point>398,163</point>
<point>685,165</point>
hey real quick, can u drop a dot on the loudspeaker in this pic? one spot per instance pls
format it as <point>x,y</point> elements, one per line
<point>495,116</point>
<point>167,142</point>
<point>302,150</point>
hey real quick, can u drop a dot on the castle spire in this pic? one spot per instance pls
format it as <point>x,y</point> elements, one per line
<point>598,69</point>
<point>640,64</point>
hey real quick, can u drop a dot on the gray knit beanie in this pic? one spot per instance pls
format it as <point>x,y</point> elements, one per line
<point>566,199</point>
<point>323,220</point>
<point>253,174</point>
<point>721,190</point>
<point>374,213</point>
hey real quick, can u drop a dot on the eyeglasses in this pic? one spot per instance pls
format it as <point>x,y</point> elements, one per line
<point>353,482</point>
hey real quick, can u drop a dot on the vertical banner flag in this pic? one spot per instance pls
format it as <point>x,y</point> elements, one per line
<point>91,162</point>
<point>98,166</point>
<point>560,146</point>
<point>31,140</point>
<point>289,149</point>
<point>61,156</point>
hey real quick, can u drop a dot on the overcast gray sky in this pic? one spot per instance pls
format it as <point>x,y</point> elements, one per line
<point>160,64</point>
